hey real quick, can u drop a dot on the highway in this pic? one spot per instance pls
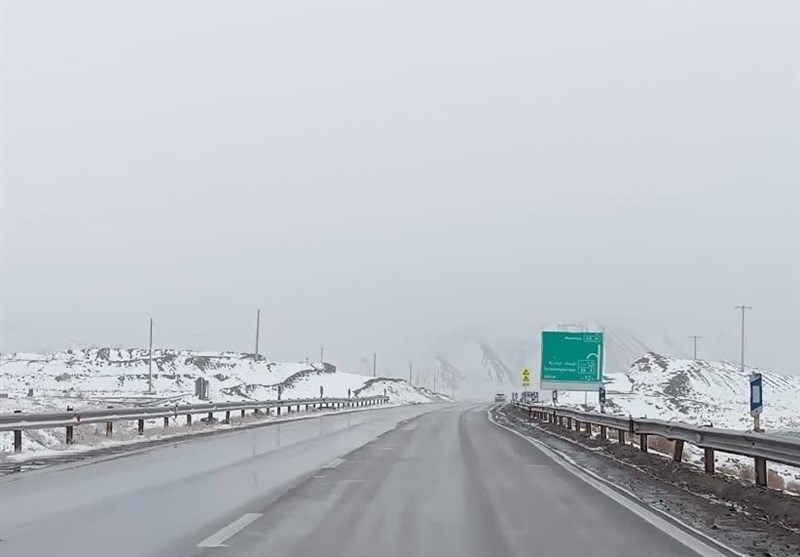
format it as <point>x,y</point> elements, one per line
<point>426,480</point>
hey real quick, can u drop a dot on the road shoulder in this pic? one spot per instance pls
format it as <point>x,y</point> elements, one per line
<point>737,523</point>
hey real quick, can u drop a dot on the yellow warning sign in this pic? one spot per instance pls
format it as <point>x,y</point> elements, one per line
<point>526,377</point>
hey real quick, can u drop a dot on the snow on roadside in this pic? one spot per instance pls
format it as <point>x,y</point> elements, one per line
<point>102,378</point>
<point>700,393</point>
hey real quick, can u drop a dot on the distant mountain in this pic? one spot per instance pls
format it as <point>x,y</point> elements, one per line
<point>476,367</point>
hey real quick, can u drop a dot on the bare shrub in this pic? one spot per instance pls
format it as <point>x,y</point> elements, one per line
<point>660,444</point>
<point>775,480</point>
<point>747,473</point>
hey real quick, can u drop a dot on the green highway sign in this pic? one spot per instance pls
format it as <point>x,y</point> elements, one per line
<point>572,361</point>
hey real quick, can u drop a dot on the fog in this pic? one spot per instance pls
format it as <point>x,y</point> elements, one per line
<point>399,178</point>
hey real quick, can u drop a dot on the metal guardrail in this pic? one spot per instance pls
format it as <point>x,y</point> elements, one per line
<point>761,447</point>
<point>17,422</point>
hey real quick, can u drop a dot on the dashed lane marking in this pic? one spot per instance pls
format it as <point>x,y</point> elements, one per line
<point>218,539</point>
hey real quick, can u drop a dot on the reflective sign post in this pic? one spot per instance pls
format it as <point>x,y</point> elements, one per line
<point>756,401</point>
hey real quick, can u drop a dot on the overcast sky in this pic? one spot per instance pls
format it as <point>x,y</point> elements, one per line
<point>377,176</point>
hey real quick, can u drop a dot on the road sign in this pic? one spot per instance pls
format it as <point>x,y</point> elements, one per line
<point>526,377</point>
<point>756,403</point>
<point>572,361</point>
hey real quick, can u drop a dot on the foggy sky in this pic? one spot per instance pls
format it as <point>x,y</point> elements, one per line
<point>376,177</point>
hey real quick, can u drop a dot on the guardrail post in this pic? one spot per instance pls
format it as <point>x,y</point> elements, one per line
<point>761,471</point>
<point>708,458</point>
<point>278,411</point>
<point>17,436</point>
<point>140,427</point>
<point>577,424</point>
<point>69,435</point>
<point>603,432</point>
<point>621,436</point>
<point>677,450</point>
<point>227,416</point>
<point>166,422</point>
<point>589,428</point>
<point>188,419</point>
<point>210,417</point>
<point>109,429</point>
<point>643,442</point>
<point>243,412</point>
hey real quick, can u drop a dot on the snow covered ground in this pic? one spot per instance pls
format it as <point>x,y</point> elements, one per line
<point>696,392</point>
<point>102,377</point>
<point>701,393</point>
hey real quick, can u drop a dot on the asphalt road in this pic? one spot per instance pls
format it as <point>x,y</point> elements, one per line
<point>416,481</point>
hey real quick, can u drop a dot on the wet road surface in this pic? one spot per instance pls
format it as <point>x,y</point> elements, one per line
<point>425,480</point>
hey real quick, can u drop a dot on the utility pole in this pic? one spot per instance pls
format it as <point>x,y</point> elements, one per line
<point>410,367</point>
<point>743,308</point>
<point>695,337</point>
<point>258,326</point>
<point>150,362</point>
<point>321,354</point>
<point>434,379</point>
<point>757,417</point>
<point>374,364</point>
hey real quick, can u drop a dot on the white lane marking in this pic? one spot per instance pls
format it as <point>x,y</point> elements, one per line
<point>334,463</point>
<point>318,477</point>
<point>696,541</point>
<point>351,481</point>
<point>219,539</point>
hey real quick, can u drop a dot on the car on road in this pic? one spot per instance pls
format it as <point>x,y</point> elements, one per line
<point>500,397</point>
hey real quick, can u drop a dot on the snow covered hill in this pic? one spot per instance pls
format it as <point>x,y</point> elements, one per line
<point>96,375</point>
<point>698,392</point>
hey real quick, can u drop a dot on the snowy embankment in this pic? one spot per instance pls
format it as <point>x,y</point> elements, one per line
<point>99,378</point>
<point>700,393</point>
